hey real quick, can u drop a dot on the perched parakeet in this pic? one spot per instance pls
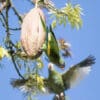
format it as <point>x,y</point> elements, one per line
<point>58,83</point>
<point>52,50</point>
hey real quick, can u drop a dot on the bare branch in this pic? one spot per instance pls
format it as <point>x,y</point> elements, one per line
<point>14,29</point>
<point>17,70</point>
<point>17,14</point>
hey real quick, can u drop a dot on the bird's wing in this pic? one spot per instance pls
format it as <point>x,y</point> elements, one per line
<point>77,72</point>
<point>52,42</point>
<point>29,86</point>
<point>47,87</point>
<point>20,84</point>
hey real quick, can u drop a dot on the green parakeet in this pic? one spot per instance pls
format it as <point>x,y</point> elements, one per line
<point>52,50</point>
<point>58,83</point>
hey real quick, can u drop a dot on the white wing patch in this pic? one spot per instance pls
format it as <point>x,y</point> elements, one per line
<point>26,89</point>
<point>78,74</point>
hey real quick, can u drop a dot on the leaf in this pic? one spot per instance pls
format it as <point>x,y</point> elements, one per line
<point>69,13</point>
<point>74,15</point>
<point>54,24</point>
<point>3,52</point>
<point>40,82</point>
<point>18,45</point>
<point>43,24</point>
<point>39,63</point>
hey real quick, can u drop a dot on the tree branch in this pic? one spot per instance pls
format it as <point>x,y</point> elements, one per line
<point>17,14</point>
<point>17,70</point>
<point>14,29</point>
<point>8,41</point>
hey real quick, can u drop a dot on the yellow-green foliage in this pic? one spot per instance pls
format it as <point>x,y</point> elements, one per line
<point>74,14</point>
<point>69,13</point>
<point>3,52</point>
<point>35,81</point>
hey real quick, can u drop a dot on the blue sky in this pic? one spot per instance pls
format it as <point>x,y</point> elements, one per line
<point>84,42</point>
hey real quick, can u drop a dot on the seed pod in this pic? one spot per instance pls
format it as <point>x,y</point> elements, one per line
<point>33,33</point>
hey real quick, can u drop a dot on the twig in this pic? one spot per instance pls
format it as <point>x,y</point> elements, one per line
<point>3,24</point>
<point>3,17</point>
<point>17,70</point>
<point>17,14</point>
<point>3,21</point>
<point>7,23</point>
<point>55,10</point>
<point>8,42</point>
<point>14,29</point>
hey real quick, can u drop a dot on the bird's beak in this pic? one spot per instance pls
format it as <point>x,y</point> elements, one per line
<point>62,66</point>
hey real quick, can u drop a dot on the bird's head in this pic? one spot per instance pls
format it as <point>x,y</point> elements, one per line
<point>61,63</point>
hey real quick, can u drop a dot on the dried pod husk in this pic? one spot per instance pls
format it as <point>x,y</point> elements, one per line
<point>33,33</point>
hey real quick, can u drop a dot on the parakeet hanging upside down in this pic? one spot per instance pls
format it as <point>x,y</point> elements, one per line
<point>52,50</point>
<point>57,83</point>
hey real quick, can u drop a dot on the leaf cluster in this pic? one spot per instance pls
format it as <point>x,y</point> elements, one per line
<point>70,14</point>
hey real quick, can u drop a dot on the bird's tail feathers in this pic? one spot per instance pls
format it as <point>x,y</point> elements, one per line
<point>17,82</point>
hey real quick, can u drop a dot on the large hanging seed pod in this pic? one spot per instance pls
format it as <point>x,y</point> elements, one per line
<point>33,32</point>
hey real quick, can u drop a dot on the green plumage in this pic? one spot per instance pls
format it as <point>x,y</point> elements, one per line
<point>57,83</point>
<point>52,49</point>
